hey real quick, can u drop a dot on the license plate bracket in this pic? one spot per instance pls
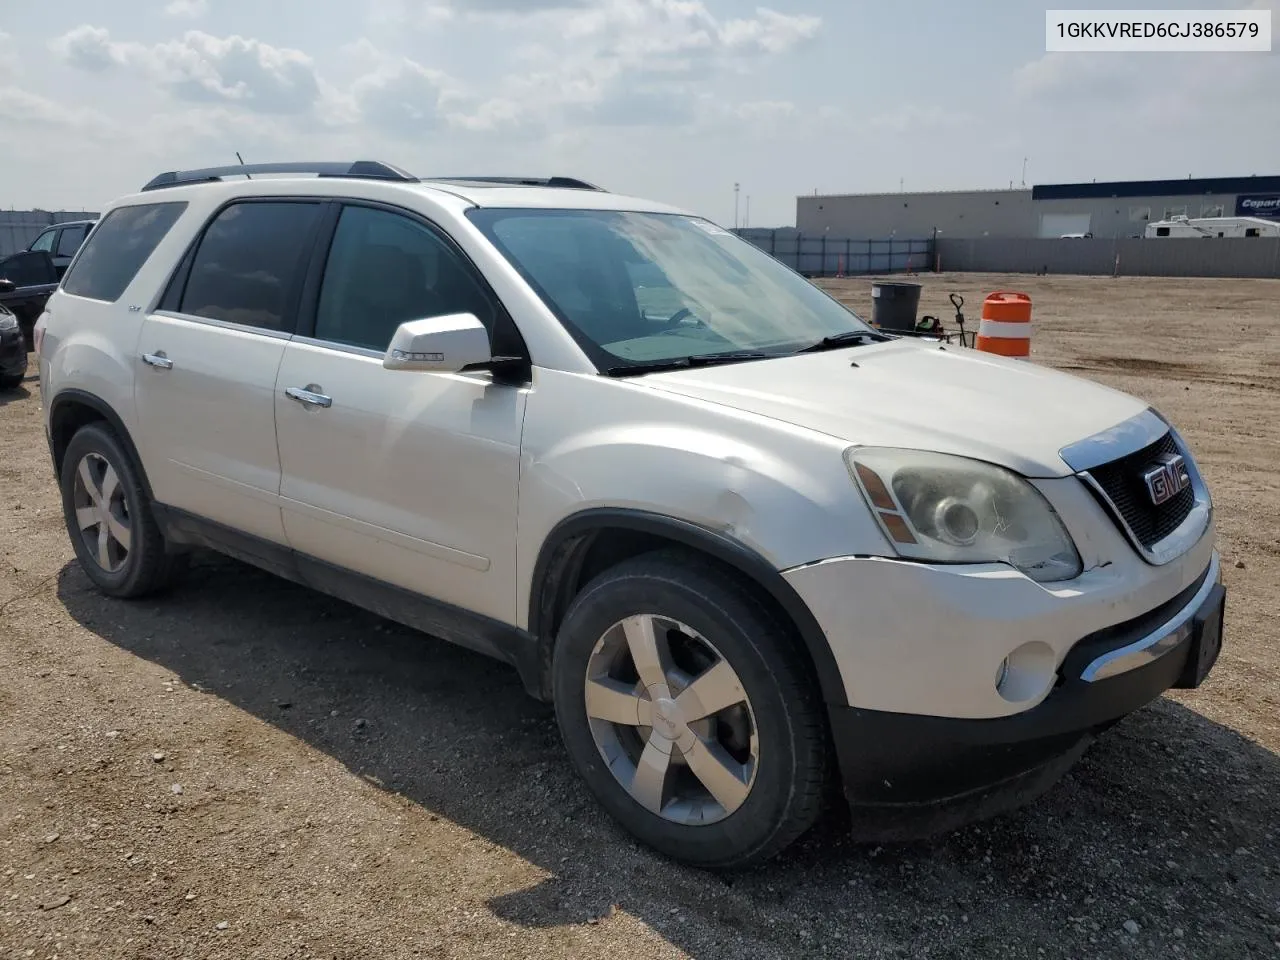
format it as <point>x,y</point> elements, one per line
<point>1206,640</point>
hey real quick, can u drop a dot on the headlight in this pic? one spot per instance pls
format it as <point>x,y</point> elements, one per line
<point>947,509</point>
<point>7,320</point>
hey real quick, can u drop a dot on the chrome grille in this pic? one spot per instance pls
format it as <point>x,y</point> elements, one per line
<point>1122,484</point>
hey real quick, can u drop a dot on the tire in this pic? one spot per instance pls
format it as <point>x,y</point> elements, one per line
<point>781,770</point>
<point>143,565</point>
<point>12,382</point>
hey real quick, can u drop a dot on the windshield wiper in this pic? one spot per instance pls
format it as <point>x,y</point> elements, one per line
<point>685,363</point>
<point>849,338</point>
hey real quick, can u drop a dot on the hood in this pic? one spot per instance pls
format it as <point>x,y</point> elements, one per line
<point>908,393</point>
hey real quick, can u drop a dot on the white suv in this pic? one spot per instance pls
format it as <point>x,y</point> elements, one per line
<point>744,542</point>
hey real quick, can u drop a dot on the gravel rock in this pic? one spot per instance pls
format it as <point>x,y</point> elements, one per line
<point>465,859</point>
<point>1132,927</point>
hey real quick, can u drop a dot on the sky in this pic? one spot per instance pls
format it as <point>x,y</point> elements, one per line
<point>674,100</point>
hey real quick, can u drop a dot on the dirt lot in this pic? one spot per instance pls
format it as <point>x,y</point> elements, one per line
<point>243,769</point>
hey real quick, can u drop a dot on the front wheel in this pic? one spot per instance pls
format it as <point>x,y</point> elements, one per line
<point>688,710</point>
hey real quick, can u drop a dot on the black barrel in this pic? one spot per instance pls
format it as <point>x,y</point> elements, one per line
<point>894,305</point>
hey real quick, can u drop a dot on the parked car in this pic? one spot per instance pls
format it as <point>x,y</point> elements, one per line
<point>61,241</point>
<point>13,349</point>
<point>705,526</point>
<point>26,280</point>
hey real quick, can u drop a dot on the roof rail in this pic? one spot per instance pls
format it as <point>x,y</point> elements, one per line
<point>360,169</point>
<point>568,183</point>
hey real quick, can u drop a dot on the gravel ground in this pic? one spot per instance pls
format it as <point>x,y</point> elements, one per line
<point>245,769</point>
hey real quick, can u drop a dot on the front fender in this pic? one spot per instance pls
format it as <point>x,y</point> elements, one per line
<point>593,443</point>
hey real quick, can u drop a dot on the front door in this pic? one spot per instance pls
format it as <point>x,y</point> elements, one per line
<point>207,364</point>
<point>407,477</point>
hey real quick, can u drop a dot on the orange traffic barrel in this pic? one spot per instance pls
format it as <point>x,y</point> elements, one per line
<point>1005,329</point>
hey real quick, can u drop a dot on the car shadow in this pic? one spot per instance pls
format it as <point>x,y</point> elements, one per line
<point>1170,821</point>
<point>18,393</point>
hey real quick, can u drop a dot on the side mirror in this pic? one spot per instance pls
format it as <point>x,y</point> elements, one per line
<point>7,286</point>
<point>445,344</point>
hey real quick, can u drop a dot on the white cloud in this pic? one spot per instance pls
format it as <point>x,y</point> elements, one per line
<point>204,68</point>
<point>521,6</point>
<point>770,31</point>
<point>20,107</point>
<point>190,9</point>
<point>243,70</point>
<point>89,48</point>
<point>633,62</point>
<point>614,63</point>
<point>408,13</point>
<point>400,96</point>
<point>490,116</point>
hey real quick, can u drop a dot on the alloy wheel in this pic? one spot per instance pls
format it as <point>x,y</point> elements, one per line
<point>102,513</point>
<point>672,720</point>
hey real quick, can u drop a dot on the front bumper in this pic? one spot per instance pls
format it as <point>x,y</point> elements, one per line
<point>13,353</point>
<point>909,776</point>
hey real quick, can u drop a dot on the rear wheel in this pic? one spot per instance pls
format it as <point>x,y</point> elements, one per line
<point>686,707</point>
<point>115,536</point>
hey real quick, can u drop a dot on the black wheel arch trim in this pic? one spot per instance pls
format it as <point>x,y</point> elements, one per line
<point>100,406</point>
<point>561,556</point>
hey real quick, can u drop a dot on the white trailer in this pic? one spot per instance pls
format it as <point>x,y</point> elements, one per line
<point>1212,227</point>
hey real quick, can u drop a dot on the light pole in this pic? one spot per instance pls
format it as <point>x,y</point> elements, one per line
<point>735,206</point>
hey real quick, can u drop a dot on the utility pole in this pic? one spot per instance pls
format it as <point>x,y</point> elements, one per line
<point>735,206</point>
<point>746,217</point>
<point>1024,172</point>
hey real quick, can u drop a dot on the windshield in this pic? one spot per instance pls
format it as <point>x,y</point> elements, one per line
<point>640,288</point>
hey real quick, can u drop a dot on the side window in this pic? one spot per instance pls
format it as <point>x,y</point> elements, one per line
<point>384,269</point>
<point>69,241</point>
<point>249,264</point>
<point>44,242</point>
<point>118,248</point>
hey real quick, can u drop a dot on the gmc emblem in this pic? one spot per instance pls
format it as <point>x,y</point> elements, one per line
<point>1166,478</point>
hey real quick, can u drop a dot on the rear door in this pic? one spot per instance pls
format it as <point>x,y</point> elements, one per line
<point>407,477</point>
<point>207,362</point>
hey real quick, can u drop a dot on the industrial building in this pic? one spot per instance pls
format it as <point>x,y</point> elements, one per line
<point>1116,209</point>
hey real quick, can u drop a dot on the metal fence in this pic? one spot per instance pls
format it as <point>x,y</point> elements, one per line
<point>1238,257</point>
<point>19,227</point>
<point>824,256</point>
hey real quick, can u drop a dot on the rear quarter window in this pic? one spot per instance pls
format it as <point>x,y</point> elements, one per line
<point>118,247</point>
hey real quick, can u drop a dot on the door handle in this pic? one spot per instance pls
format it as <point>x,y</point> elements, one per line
<point>157,360</point>
<point>308,397</point>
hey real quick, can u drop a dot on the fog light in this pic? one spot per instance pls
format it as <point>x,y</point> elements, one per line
<point>1028,673</point>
